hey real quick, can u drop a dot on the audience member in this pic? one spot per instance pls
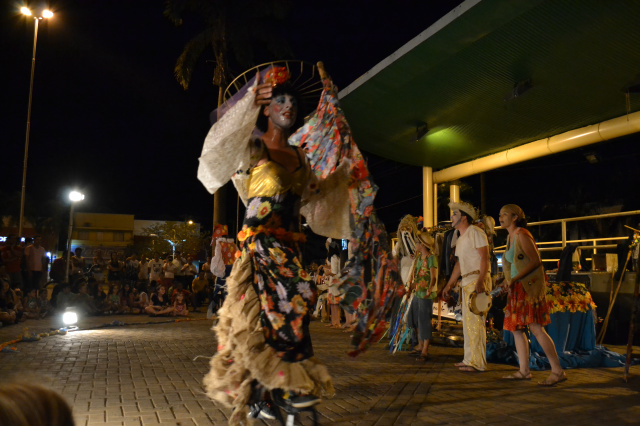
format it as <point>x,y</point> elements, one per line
<point>35,261</point>
<point>43,303</point>
<point>201,290</point>
<point>155,269</point>
<point>160,304</point>
<point>189,272</point>
<point>77,266</point>
<point>114,271</point>
<point>31,305</point>
<point>180,306</point>
<point>12,254</point>
<point>99,267</point>
<point>65,297</point>
<point>27,404</point>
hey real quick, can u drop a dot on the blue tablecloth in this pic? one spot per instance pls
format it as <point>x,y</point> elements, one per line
<point>574,335</point>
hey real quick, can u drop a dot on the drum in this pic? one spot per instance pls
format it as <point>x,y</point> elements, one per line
<point>480,303</point>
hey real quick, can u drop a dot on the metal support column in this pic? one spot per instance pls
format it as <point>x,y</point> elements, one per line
<point>427,197</point>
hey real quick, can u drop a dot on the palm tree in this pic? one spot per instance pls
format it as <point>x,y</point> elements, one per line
<point>241,28</point>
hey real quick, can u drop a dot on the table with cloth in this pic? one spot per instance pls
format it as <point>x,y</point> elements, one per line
<point>572,328</point>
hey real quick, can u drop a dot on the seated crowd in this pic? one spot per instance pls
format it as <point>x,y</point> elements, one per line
<point>129,287</point>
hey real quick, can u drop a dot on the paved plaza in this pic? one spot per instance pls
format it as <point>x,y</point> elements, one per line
<point>147,375</point>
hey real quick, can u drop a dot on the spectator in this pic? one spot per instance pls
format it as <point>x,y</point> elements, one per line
<point>12,254</point>
<point>125,297</point>
<point>114,271</point>
<point>143,300</point>
<point>84,302</point>
<point>43,303</point>
<point>32,405</point>
<point>159,303</point>
<point>113,301</point>
<point>179,306</point>
<point>65,298</point>
<point>77,266</point>
<point>155,269</point>
<point>189,272</point>
<point>169,269</point>
<point>143,270</point>
<point>35,260</point>
<point>8,314</point>
<point>131,269</point>
<point>206,268</point>
<point>99,267</point>
<point>201,290</point>
<point>178,262</point>
<point>59,268</point>
<point>31,305</point>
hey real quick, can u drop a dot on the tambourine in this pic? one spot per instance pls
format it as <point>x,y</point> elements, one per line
<point>480,303</point>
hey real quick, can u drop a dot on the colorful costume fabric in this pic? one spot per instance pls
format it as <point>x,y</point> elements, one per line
<point>262,330</point>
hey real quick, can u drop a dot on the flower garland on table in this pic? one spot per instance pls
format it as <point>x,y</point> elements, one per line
<point>569,297</point>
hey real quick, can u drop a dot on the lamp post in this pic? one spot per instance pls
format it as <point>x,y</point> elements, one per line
<point>46,14</point>
<point>74,196</point>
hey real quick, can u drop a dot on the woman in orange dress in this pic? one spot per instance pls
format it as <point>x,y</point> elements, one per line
<point>527,305</point>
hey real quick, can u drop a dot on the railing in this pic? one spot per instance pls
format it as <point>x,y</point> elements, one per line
<point>563,243</point>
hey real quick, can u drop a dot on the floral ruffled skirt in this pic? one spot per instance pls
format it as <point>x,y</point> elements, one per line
<point>243,357</point>
<point>521,311</point>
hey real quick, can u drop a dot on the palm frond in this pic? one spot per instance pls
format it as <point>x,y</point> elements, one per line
<point>191,54</point>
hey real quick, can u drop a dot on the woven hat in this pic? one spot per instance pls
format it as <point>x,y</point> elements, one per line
<point>425,238</point>
<point>465,207</point>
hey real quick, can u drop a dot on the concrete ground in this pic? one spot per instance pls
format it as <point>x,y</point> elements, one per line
<point>146,374</point>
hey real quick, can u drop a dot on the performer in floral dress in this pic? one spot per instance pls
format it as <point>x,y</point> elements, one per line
<point>264,348</point>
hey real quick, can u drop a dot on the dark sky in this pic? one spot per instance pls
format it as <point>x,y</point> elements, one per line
<point>108,116</point>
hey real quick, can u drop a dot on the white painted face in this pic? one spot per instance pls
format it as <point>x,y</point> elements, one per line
<point>282,111</point>
<point>456,217</point>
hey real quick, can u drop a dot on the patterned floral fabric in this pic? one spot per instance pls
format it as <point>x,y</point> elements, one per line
<point>283,286</point>
<point>370,279</point>
<point>522,311</point>
<point>422,276</point>
<point>569,297</point>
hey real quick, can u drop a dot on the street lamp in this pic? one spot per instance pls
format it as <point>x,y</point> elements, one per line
<point>75,197</point>
<point>46,14</point>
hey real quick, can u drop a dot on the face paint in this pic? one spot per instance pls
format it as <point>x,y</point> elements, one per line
<point>455,218</point>
<point>283,110</point>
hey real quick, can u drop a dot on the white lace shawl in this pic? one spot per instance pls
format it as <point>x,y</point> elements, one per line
<point>325,202</point>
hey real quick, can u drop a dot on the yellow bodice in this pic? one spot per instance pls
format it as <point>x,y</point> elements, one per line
<point>270,178</point>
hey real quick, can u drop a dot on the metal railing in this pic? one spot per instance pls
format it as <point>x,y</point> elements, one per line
<point>560,244</point>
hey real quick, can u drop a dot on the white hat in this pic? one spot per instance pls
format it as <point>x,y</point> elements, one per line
<point>464,207</point>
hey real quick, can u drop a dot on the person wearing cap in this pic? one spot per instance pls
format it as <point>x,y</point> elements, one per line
<point>423,281</point>
<point>527,301</point>
<point>472,267</point>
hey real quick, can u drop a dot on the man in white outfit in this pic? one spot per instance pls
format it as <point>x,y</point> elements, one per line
<point>472,252</point>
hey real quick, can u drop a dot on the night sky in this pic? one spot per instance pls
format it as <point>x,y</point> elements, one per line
<point>108,117</point>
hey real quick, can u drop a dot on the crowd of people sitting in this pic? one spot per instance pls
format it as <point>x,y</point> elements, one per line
<point>172,287</point>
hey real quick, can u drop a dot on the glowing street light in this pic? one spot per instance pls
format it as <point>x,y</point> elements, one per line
<point>75,197</point>
<point>46,14</point>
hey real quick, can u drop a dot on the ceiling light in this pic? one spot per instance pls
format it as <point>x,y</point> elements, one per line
<point>421,130</point>
<point>518,90</point>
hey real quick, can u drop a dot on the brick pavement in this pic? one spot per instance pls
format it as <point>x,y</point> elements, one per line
<point>145,375</point>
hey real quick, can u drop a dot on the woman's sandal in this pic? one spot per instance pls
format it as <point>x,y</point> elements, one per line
<point>422,358</point>
<point>554,379</point>
<point>414,352</point>
<point>517,376</point>
<point>460,364</point>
